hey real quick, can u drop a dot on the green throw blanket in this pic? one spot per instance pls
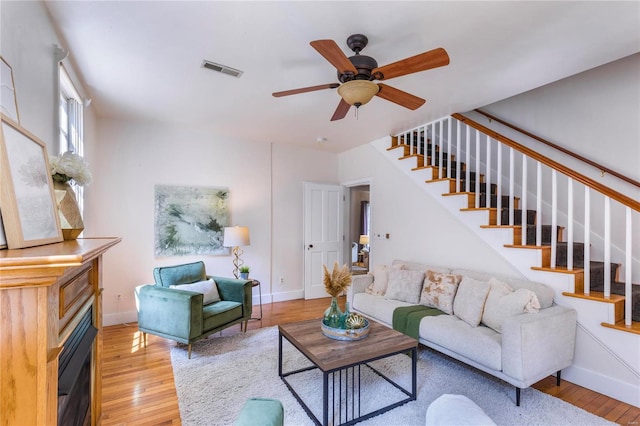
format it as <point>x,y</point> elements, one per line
<point>406,319</point>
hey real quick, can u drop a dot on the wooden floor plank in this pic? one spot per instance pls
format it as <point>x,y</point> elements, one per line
<point>138,386</point>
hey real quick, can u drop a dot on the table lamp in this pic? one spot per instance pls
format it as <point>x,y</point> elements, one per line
<point>236,237</point>
<point>364,240</point>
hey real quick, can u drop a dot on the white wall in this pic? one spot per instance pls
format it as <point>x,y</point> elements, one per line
<point>134,157</point>
<point>27,43</point>
<point>420,229</point>
<point>594,114</point>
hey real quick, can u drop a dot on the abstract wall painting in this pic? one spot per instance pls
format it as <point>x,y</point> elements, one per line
<point>190,220</point>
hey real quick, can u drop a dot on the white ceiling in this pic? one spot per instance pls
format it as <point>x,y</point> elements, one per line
<point>142,60</point>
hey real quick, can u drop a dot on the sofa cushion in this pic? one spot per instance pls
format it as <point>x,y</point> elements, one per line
<point>381,279</point>
<point>376,307</point>
<point>220,313</point>
<point>404,285</point>
<point>167,276</point>
<point>544,292</point>
<point>439,290</point>
<point>479,344</point>
<point>502,303</point>
<point>208,288</point>
<point>469,301</point>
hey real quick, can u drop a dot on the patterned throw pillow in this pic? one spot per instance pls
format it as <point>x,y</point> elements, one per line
<point>404,285</point>
<point>502,303</point>
<point>381,279</point>
<point>439,290</point>
<point>469,301</point>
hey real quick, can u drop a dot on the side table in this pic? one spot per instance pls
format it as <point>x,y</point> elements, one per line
<point>256,283</point>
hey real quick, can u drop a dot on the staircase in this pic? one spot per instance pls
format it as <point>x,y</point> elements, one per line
<point>542,217</point>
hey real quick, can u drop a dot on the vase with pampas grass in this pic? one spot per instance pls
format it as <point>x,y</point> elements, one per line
<point>335,282</point>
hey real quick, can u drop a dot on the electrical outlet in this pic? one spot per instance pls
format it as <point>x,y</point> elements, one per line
<point>281,280</point>
<point>118,298</point>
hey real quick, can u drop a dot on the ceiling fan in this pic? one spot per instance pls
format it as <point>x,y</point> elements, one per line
<point>356,75</point>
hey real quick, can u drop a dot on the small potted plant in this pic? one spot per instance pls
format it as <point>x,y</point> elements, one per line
<point>244,272</point>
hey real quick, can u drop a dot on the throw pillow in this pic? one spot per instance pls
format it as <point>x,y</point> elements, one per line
<point>208,288</point>
<point>502,303</point>
<point>469,301</point>
<point>381,279</point>
<point>404,285</point>
<point>439,290</point>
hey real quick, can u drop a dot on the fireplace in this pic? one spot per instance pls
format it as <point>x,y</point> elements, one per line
<point>74,374</point>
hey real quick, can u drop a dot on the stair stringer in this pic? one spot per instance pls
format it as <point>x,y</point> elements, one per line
<point>619,348</point>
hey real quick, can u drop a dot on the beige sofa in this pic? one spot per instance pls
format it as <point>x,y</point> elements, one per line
<point>522,349</point>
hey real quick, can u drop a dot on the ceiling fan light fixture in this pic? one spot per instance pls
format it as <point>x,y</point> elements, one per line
<point>358,92</point>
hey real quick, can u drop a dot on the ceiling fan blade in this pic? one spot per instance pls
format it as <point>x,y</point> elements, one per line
<point>332,53</point>
<point>306,89</point>
<point>399,97</point>
<point>424,61</point>
<point>341,111</point>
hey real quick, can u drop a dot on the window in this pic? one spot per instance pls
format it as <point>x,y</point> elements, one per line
<point>71,129</point>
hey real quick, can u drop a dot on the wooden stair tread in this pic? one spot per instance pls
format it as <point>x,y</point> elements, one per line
<point>527,246</point>
<point>500,226</point>
<point>597,296</point>
<point>471,209</point>
<point>559,269</point>
<point>620,325</point>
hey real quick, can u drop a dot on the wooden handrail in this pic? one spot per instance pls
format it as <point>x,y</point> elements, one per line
<point>600,167</point>
<point>621,198</point>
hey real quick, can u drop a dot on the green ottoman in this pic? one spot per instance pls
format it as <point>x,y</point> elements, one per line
<point>261,412</point>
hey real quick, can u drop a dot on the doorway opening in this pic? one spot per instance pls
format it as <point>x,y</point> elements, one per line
<point>359,228</point>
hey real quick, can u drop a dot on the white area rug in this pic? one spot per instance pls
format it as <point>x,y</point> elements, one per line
<point>224,372</point>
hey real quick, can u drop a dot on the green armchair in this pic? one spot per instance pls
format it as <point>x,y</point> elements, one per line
<point>171,308</point>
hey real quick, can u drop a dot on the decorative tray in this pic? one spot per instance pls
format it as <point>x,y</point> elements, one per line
<point>346,334</point>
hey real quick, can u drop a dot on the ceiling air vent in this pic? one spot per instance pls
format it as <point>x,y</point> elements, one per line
<point>221,68</point>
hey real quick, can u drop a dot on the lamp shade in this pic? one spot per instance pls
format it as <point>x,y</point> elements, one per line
<point>358,92</point>
<point>364,239</point>
<point>236,236</point>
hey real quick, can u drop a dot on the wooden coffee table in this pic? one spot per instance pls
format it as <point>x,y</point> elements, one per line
<point>343,358</point>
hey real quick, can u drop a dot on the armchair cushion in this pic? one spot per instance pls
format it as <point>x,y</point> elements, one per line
<point>208,288</point>
<point>166,276</point>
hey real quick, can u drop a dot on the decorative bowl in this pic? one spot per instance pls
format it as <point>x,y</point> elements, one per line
<point>349,334</point>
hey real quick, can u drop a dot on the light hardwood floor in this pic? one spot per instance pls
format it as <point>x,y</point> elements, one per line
<point>138,387</point>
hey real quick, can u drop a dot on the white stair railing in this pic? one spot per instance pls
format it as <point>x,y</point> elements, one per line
<point>452,139</point>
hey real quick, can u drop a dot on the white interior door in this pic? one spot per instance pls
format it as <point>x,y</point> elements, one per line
<point>323,234</point>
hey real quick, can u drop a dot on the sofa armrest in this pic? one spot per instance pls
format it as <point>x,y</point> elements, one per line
<point>237,291</point>
<point>359,284</point>
<point>170,312</point>
<point>536,345</point>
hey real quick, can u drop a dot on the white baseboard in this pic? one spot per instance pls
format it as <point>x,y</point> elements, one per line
<point>622,391</point>
<point>119,318</point>
<point>287,295</point>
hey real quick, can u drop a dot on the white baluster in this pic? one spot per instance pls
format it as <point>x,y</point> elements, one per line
<point>499,184</point>
<point>627,278</point>
<point>607,246</point>
<point>468,157</point>
<point>523,201</point>
<point>477,189</point>
<point>458,168</point>
<point>441,152</point>
<point>570,224</point>
<point>554,217</point>
<point>433,145</point>
<point>511,185</point>
<point>587,240</point>
<point>488,163</point>
<point>449,165</point>
<point>538,203</point>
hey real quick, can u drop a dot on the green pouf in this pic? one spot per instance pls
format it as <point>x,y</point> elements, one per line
<point>261,412</point>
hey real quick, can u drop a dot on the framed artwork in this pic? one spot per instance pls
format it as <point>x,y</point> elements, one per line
<point>8,99</point>
<point>27,201</point>
<point>190,220</point>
